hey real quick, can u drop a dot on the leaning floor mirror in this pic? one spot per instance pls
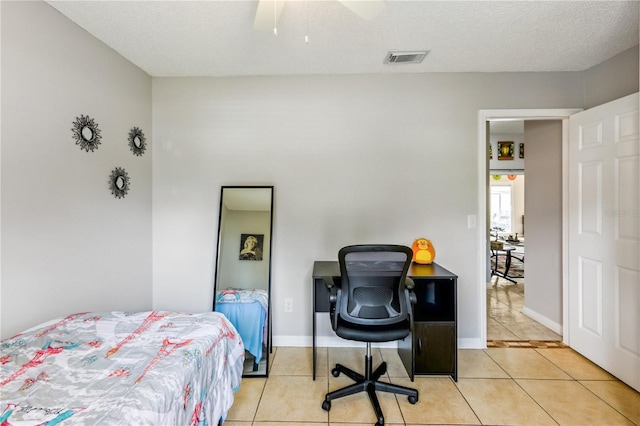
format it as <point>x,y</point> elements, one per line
<point>243,269</point>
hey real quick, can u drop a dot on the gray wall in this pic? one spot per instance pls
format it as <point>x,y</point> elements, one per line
<point>67,244</point>
<point>612,79</point>
<point>543,221</point>
<point>354,159</point>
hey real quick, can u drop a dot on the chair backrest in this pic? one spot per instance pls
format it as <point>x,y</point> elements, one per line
<point>373,284</point>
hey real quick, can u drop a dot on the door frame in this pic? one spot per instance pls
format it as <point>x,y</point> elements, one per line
<point>484,116</point>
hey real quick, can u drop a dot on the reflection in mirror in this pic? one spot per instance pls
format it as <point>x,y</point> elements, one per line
<point>120,182</point>
<point>243,269</point>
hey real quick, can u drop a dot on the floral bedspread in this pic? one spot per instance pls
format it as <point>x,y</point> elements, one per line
<point>121,368</point>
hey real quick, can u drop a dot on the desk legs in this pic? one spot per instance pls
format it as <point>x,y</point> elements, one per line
<point>313,314</point>
<point>314,345</point>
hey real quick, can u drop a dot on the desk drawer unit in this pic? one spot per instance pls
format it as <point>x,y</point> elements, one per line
<point>435,346</point>
<point>432,347</point>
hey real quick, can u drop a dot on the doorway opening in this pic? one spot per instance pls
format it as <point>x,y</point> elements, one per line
<point>512,222</point>
<point>507,321</point>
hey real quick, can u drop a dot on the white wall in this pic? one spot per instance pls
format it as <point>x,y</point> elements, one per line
<point>354,159</point>
<point>67,244</point>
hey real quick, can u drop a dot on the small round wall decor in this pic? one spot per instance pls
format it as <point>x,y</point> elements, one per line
<point>119,182</point>
<point>137,141</point>
<point>86,133</point>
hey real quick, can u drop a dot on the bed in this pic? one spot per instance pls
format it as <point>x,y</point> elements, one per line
<point>142,368</point>
<point>247,310</point>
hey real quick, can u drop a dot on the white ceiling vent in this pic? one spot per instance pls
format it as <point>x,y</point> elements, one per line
<point>405,57</point>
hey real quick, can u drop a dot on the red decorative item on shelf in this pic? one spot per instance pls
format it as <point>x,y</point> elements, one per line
<point>423,251</point>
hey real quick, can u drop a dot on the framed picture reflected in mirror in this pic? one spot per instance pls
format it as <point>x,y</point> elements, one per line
<point>251,246</point>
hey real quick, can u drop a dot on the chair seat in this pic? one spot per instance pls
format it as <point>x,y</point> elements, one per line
<point>388,333</point>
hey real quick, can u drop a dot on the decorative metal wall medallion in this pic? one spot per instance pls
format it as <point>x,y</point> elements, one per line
<point>86,133</point>
<point>119,182</point>
<point>137,141</point>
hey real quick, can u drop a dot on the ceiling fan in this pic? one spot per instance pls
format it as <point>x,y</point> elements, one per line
<point>269,11</point>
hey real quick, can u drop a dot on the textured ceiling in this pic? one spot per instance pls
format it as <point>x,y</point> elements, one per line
<point>216,38</point>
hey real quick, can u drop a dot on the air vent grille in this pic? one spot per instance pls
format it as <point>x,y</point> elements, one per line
<point>405,57</point>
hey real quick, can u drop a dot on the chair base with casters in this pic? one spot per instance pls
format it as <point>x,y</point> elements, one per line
<point>368,383</point>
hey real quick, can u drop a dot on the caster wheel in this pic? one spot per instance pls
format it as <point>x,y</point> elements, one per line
<point>326,405</point>
<point>379,423</point>
<point>335,372</point>
<point>413,399</point>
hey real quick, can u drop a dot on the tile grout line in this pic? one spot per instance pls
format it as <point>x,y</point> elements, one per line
<point>328,371</point>
<point>598,396</point>
<point>572,379</point>
<point>497,363</point>
<point>255,413</point>
<point>523,390</point>
<point>535,400</point>
<point>467,402</point>
<point>388,377</point>
<point>540,352</point>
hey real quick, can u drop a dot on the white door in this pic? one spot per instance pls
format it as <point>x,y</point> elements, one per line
<point>604,237</point>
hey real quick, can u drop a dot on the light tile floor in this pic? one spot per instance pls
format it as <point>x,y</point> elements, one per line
<point>505,320</point>
<point>497,386</point>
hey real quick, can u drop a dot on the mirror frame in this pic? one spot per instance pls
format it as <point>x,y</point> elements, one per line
<point>267,346</point>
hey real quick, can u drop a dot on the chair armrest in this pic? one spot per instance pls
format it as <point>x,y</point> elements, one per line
<point>410,285</point>
<point>333,287</point>
<point>330,283</point>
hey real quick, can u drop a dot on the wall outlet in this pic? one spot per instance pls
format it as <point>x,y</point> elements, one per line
<point>288,304</point>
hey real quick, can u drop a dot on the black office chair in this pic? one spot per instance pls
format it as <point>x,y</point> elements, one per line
<point>371,302</point>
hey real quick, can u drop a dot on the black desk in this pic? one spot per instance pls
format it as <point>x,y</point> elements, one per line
<point>432,347</point>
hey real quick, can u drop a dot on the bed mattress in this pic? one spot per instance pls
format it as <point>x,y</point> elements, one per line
<point>142,368</point>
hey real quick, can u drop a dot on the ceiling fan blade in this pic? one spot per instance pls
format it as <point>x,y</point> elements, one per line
<point>267,14</point>
<point>366,9</point>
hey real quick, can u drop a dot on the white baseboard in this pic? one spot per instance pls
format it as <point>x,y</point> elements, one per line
<point>553,326</point>
<point>337,342</point>
<point>325,342</point>
<point>471,343</point>
<point>296,341</point>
